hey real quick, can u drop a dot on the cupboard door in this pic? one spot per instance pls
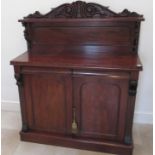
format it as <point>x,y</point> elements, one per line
<point>101,104</point>
<point>48,100</point>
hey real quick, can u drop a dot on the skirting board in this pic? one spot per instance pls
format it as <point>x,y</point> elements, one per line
<point>139,117</point>
<point>10,105</point>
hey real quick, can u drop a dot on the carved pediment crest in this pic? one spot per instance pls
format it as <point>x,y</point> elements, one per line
<point>80,9</point>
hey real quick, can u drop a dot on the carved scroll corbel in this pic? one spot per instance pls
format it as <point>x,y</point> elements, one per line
<point>19,79</point>
<point>19,82</point>
<point>132,87</point>
<point>27,34</point>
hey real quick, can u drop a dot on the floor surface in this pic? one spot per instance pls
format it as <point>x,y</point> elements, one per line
<point>11,144</point>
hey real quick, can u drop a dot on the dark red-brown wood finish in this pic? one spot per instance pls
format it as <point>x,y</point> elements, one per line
<point>77,81</point>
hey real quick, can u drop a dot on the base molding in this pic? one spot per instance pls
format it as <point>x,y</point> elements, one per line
<point>78,143</point>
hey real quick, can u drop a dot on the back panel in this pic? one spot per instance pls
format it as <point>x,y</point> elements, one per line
<point>97,37</point>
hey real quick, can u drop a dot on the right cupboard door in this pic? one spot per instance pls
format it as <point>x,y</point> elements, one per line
<point>100,101</point>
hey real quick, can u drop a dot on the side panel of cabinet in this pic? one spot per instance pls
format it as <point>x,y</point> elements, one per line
<point>101,103</point>
<point>48,100</point>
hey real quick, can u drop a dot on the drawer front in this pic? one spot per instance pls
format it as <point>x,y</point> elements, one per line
<point>101,104</point>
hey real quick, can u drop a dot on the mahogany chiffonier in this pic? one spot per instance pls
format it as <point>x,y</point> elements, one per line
<point>77,81</point>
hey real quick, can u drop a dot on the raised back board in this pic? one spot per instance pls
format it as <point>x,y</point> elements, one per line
<point>88,27</point>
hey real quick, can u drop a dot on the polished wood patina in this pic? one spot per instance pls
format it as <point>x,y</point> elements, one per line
<point>78,79</point>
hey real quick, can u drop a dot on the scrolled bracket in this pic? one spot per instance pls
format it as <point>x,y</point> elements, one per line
<point>132,87</point>
<point>19,79</point>
<point>27,34</point>
<point>136,36</point>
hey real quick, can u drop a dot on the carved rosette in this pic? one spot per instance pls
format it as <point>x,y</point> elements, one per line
<point>80,9</point>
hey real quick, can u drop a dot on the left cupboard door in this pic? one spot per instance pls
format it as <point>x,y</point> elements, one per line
<point>48,100</point>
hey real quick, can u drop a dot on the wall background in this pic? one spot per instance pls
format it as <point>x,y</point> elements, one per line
<point>13,44</point>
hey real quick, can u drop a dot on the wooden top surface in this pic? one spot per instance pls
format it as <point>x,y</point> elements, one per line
<point>80,60</point>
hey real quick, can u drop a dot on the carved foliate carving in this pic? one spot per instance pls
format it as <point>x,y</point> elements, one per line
<point>37,14</point>
<point>27,34</point>
<point>127,13</point>
<point>80,9</point>
<point>136,36</point>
